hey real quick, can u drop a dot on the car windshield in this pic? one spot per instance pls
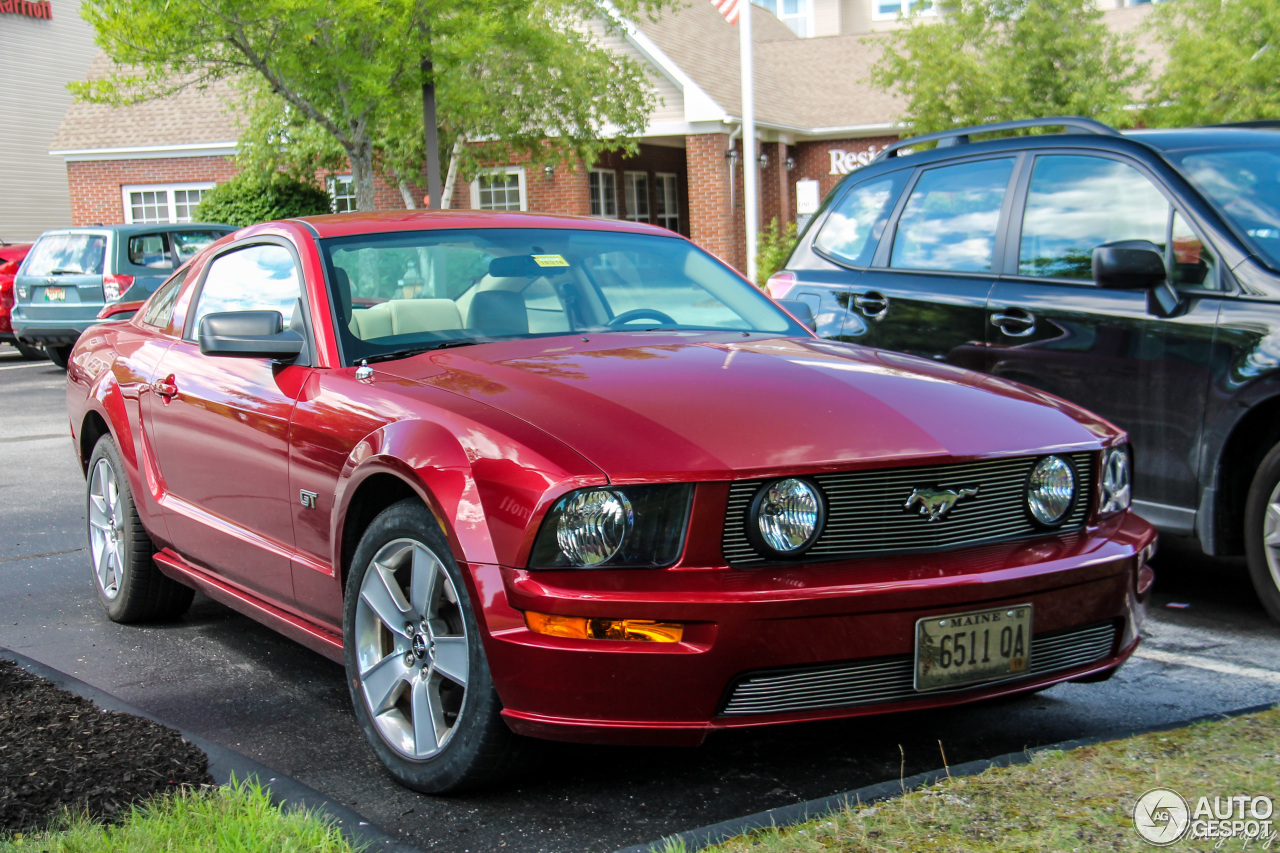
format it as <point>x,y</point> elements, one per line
<point>57,254</point>
<point>1244,183</point>
<point>399,292</point>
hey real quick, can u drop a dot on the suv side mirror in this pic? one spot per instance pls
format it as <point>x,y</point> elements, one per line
<point>249,334</point>
<point>1129,265</point>
<point>1137,265</point>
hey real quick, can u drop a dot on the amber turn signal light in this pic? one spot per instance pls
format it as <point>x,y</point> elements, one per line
<point>582,628</point>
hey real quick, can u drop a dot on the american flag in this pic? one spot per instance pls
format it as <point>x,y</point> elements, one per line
<point>728,8</point>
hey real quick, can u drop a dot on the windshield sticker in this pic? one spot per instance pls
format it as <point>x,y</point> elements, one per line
<point>550,261</point>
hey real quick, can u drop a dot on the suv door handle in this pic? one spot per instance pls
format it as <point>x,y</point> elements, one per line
<point>166,388</point>
<point>873,304</point>
<point>1016,322</point>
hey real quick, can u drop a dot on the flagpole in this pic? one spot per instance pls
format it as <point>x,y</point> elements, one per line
<point>750,167</point>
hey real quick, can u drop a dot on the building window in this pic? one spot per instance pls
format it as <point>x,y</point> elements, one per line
<point>796,14</point>
<point>165,203</point>
<point>666,201</point>
<point>889,9</point>
<point>342,189</point>
<point>500,189</point>
<point>604,194</point>
<point>637,187</point>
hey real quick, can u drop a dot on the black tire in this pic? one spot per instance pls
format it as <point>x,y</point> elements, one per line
<point>30,353</point>
<point>129,585</point>
<point>58,355</point>
<point>1264,558</point>
<point>477,747</point>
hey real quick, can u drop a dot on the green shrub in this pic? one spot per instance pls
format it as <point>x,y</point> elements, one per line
<point>247,199</point>
<point>773,247</point>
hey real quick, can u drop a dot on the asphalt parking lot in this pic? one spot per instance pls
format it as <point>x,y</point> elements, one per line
<point>239,684</point>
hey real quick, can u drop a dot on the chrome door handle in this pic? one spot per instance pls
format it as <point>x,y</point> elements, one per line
<point>873,304</point>
<point>1016,324</point>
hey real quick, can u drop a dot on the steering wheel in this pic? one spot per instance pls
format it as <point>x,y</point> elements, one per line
<point>639,314</point>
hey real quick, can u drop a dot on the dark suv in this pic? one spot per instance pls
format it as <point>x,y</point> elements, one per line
<point>1137,274</point>
<point>73,273</point>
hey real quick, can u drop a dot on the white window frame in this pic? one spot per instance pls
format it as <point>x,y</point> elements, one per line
<point>168,190</point>
<point>628,187</point>
<point>659,217</point>
<point>505,170</point>
<point>613,177</point>
<point>904,7</point>
<point>334,196</point>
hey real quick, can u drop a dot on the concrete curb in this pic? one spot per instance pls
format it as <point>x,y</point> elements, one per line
<point>224,763</point>
<point>703,837</point>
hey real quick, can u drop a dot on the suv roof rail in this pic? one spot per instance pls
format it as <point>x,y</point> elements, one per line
<point>1256,124</point>
<point>960,136</point>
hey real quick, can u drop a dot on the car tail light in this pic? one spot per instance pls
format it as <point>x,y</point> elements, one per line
<point>780,284</point>
<point>114,285</point>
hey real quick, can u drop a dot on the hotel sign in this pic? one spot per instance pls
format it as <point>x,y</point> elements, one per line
<point>41,9</point>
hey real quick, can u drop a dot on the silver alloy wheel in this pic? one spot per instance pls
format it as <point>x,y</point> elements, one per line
<point>411,648</point>
<point>106,528</point>
<point>1271,535</point>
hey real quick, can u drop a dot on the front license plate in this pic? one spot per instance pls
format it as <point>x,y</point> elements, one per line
<point>55,294</point>
<point>969,648</point>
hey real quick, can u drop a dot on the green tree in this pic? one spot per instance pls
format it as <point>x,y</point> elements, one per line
<point>246,199</point>
<point>1223,65</point>
<point>1000,60</point>
<point>530,74</point>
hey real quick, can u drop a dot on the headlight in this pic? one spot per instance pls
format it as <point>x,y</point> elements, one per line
<point>786,517</point>
<point>1117,480</point>
<point>614,526</point>
<point>1051,490</point>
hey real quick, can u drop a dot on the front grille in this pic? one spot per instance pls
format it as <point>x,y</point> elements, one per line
<point>866,514</point>
<point>893,679</point>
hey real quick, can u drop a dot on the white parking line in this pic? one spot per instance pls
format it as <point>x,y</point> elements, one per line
<point>32,364</point>
<point>1210,664</point>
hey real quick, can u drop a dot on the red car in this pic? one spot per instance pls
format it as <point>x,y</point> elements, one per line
<point>11,255</point>
<point>571,479</point>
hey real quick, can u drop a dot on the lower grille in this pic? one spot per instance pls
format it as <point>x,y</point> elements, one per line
<point>893,679</point>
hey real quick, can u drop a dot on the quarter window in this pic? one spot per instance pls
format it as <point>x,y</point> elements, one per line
<point>150,250</point>
<point>256,278</point>
<point>1077,203</point>
<point>950,220</point>
<point>1192,259</point>
<point>857,222</point>
<point>163,203</point>
<point>160,308</point>
<point>604,194</point>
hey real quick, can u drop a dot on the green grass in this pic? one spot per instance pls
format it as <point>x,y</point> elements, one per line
<point>1080,800</point>
<point>235,819</point>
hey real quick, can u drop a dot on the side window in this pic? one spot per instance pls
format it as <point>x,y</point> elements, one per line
<point>187,243</point>
<point>950,221</point>
<point>853,230</point>
<point>256,278</point>
<point>1192,260</point>
<point>150,250</point>
<point>160,309</point>
<point>1075,204</point>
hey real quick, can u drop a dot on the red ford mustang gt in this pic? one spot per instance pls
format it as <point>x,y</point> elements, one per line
<point>530,476</point>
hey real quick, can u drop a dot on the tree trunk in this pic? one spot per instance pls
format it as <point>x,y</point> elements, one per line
<point>446,197</point>
<point>406,193</point>
<point>362,175</point>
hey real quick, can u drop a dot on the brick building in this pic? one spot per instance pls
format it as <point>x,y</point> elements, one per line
<point>817,118</point>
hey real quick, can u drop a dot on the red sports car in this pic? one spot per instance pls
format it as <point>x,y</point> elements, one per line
<point>571,479</point>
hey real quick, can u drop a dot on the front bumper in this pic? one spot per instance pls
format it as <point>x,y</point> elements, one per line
<point>802,638</point>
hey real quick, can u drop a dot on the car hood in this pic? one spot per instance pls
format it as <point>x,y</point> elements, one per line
<point>654,405</point>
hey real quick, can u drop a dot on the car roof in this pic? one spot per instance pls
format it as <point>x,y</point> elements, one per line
<point>139,228</point>
<point>375,222</point>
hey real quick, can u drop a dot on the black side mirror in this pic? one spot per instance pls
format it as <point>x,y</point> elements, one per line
<point>249,334</point>
<point>801,311</point>
<point>1137,265</point>
<point>1129,265</point>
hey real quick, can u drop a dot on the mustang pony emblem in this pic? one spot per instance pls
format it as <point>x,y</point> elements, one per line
<point>935,503</point>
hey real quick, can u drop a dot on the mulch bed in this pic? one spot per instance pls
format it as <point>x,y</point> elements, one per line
<point>59,751</point>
